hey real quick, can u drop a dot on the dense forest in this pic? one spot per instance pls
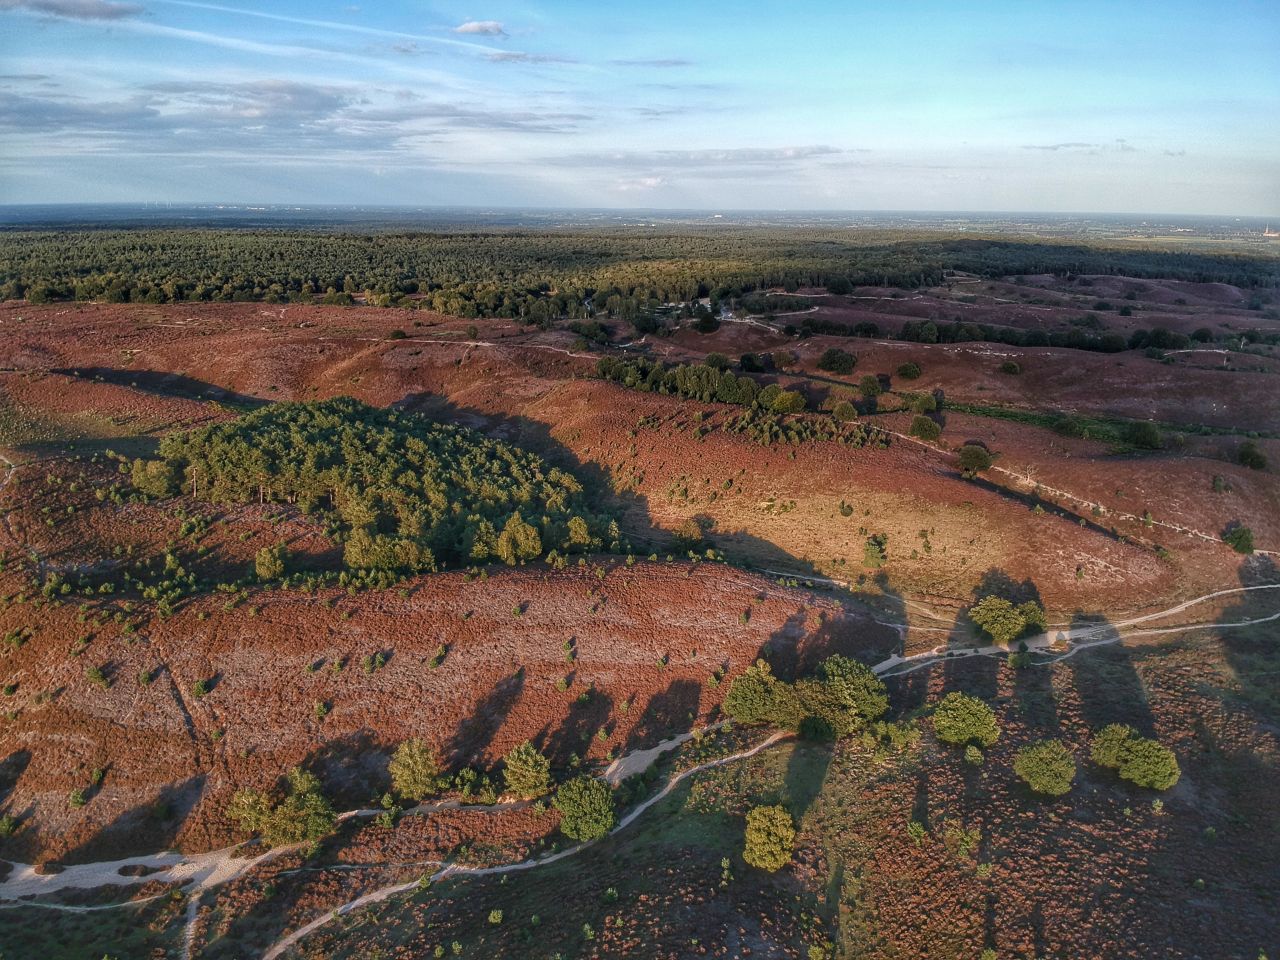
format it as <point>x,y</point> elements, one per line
<point>545,275</point>
<point>409,492</point>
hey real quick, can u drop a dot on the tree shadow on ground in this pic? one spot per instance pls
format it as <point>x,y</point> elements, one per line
<point>1107,682</point>
<point>474,734</point>
<point>583,720</point>
<point>352,768</point>
<point>665,715</point>
<point>165,384</point>
<point>151,826</point>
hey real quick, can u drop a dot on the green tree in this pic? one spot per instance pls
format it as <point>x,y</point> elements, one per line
<point>155,478</point>
<point>909,370</point>
<point>1250,456</point>
<point>269,562</point>
<point>1149,763</point>
<point>925,428</point>
<point>844,411</point>
<point>526,772</point>
<point>415,770</point>
<point>519,541</point>
<point>1046,767</point>
<point>974,458</point>
<point>961,719</point>
<point>1239,538</point>
<point>303,815</point>
<point>1108,744</point>
<point>835,360</point>
<point>869,387</point>
<point>586,808</point>
<point>1003,621</point>
<point>769,837</point>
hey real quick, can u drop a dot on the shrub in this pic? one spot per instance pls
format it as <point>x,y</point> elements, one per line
<point>844,411</point>
<point>269,562</point>
<point>1148,763</point>
<point>924,428</point>
<point>1004,622</point>
<point>716,361</point>
<point>1107,747</point>
<point>1239,538</point>
<point>924,403</point>
<point>1250,456</point>
<point>835,360</point>
<point>1046,767</point>
<point>874,551</point>
<point>303,815</point>
<point>769,838</point>
<point>415,770</point>
<point>961,719</point>
<point>1144,435</point>
<point>526,772</point>
<point>1010,367</point>
<point>869,387</point>
<point>586,808</point>
<point>974,458</point>
<point>155,478</point>
<point>8,825</point>
<point>909,370</point>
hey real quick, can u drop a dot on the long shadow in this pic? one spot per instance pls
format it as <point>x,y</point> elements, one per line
<point>476,732</point>
<point>165,384</point>
<point>149,826</point>
<point>582,722</point>
<point>1031,502</point>
<point>665,715</point>
<point>1107,681</point>
<point>352,768</point>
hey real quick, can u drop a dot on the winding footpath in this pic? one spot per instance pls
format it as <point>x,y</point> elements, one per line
<point>201,872</point>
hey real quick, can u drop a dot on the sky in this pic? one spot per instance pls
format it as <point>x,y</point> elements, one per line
<point>1122,106</point>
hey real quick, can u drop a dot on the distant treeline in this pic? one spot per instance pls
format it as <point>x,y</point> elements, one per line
<point>542,276</point>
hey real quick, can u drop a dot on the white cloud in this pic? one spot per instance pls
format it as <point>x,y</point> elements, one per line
<point>486,28</point>
<point>75,9</point>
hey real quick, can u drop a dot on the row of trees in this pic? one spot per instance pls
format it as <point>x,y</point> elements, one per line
<point>531,274</point>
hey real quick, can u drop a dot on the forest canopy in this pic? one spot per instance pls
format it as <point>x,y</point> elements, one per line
<point>409,492</point>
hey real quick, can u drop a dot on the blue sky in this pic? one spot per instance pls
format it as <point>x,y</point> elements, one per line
<point>1169,107</point>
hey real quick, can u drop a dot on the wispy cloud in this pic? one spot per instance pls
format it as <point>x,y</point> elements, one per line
<point>705,159</point>
<point>512,56</point>
<point>486,28</point>
<point>1070,145</point>
<point>75,9</point>
<point>658,63</point>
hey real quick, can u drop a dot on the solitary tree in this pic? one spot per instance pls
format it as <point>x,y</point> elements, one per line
<point>926,429</point>
<point>415,770</point>
<point>769,838</point>
<point>974,458</point>
<point>586,808</point>
<point>1003,621</point>
<point>526,772</point>
<point>960,719</point>
<point>1047,767</point>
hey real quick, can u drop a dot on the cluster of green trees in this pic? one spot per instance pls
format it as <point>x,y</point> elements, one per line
<point>301,815</point>
<point>410,491</point>
<point>1140,760</point>
<point>539,275</point>
<point>838,701</point>
<point>1004,621</point>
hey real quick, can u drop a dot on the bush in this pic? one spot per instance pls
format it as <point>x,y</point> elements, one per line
<point>909,370</point>
<point>1250,456</point>
<point>924,403</point>
<point>304,815</point>
<point>875,551</point>
<point>1003,621</point>
<point>1144,435</point>
<point>1107,747</point>
<point>415,770</point>
<point>1010,367</point>
<point>835,360</point>
<point>961,719</point>
<point>716,361</point>
<point>869,387</point>
<point>769,838</point>
<point>586,808</point>
<point>924,428</point>
<point>1148,763</point>
<point>844,411</point>
<point>974,458</point>
<point>1239,538</point>
<point>526,772</point>
<point>1046,767</point>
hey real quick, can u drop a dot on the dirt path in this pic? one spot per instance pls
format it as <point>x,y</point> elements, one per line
<point>453,870</point>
